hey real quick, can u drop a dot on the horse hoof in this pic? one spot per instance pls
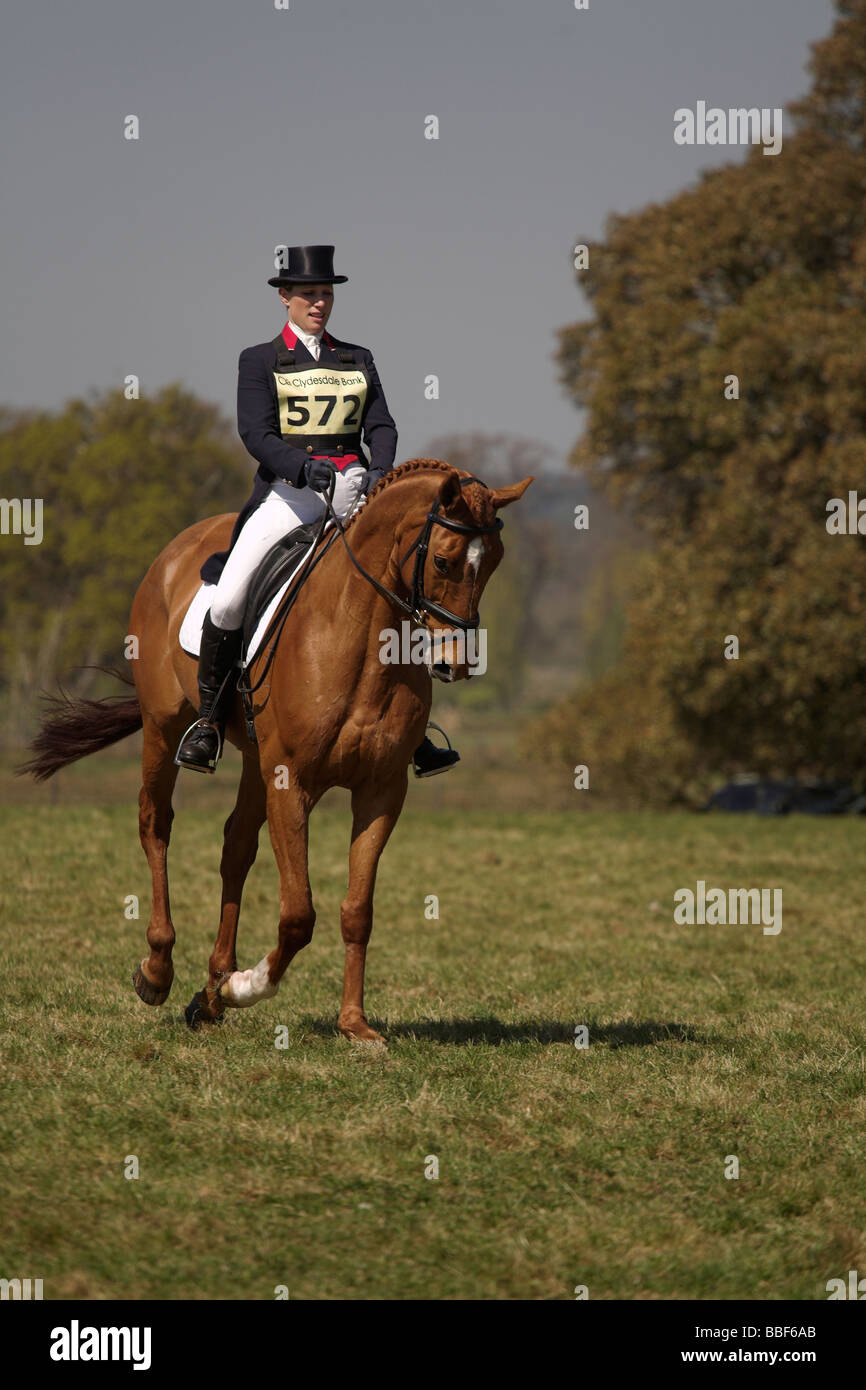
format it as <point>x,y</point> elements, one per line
<point>148,992</point>
<point>196,1013</point>
<point>361,1032</point>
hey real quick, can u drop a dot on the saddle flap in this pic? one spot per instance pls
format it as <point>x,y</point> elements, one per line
<point>279,563</point>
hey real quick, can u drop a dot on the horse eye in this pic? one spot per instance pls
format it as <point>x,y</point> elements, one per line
<point>440,564</point>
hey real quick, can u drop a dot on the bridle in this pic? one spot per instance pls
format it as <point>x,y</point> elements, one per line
<point>419,604</point>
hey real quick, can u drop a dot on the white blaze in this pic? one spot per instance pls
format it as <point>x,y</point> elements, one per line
<point>474,553</point>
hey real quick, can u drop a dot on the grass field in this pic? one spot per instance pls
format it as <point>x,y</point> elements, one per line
<point>305,1166</point>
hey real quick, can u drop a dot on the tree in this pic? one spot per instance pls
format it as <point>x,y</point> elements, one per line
<point>117,480</point>
<point>756,274</point>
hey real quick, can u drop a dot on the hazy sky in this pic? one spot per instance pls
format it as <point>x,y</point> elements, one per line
<point>261,127</point>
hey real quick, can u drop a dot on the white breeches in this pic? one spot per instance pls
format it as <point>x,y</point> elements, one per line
<point>284,508</point>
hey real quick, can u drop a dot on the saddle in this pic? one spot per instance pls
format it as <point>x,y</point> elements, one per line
<point>279,563</point>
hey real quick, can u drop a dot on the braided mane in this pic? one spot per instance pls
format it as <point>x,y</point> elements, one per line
<point>403,471</point>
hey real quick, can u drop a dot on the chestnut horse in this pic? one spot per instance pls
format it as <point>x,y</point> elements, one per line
<point>335,715</point>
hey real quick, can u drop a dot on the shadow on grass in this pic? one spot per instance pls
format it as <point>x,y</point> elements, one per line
<point>463,1032</point>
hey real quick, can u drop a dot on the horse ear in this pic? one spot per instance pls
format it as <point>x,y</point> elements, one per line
<point>450,489</point>
<point>504,496</point>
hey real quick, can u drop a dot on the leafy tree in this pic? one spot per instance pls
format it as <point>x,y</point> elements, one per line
<point>758,273</point>
<point>118,479</point>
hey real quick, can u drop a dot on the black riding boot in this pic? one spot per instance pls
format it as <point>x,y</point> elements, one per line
<point>427,759</point>
<point>201,745</point>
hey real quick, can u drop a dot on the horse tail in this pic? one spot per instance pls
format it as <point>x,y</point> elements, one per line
<point>74,729</point>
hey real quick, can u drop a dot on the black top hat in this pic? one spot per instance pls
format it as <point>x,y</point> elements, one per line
<point>310,265</point>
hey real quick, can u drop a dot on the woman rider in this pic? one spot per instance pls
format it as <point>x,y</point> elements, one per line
<point>303,401</point>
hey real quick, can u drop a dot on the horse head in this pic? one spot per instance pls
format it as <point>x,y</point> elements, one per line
<point>446,549</point>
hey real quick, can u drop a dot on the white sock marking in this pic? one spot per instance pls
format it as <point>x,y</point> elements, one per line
<point>246,987</point>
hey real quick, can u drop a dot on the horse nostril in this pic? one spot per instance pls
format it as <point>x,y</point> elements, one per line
<point>443,670</point>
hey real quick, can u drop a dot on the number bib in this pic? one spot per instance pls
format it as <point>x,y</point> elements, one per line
<point>321,401</point>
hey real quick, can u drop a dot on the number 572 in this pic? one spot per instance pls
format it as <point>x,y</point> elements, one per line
<point>297,414</point>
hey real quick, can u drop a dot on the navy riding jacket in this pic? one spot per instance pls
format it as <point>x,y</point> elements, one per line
<point>259,427</point>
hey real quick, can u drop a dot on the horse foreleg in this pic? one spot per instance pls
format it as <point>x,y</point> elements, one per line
<point>240,846</point>
<point>152,979</point>
<point>374,815</point>
<point>288,811</point>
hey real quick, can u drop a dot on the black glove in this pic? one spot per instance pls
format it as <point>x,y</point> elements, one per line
<point>318,474</point>
<point>374,476</point>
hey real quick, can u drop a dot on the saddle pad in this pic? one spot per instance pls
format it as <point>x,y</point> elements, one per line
<point>190,628</point>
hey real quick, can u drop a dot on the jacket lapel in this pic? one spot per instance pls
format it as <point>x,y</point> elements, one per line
<point>302,352</point>
<point>327,354</point>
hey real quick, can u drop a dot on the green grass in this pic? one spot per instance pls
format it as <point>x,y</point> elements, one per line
<point>305,1166</point>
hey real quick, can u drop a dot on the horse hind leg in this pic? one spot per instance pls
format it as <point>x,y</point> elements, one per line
<point>153,978</point>
<point>240,846</point>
